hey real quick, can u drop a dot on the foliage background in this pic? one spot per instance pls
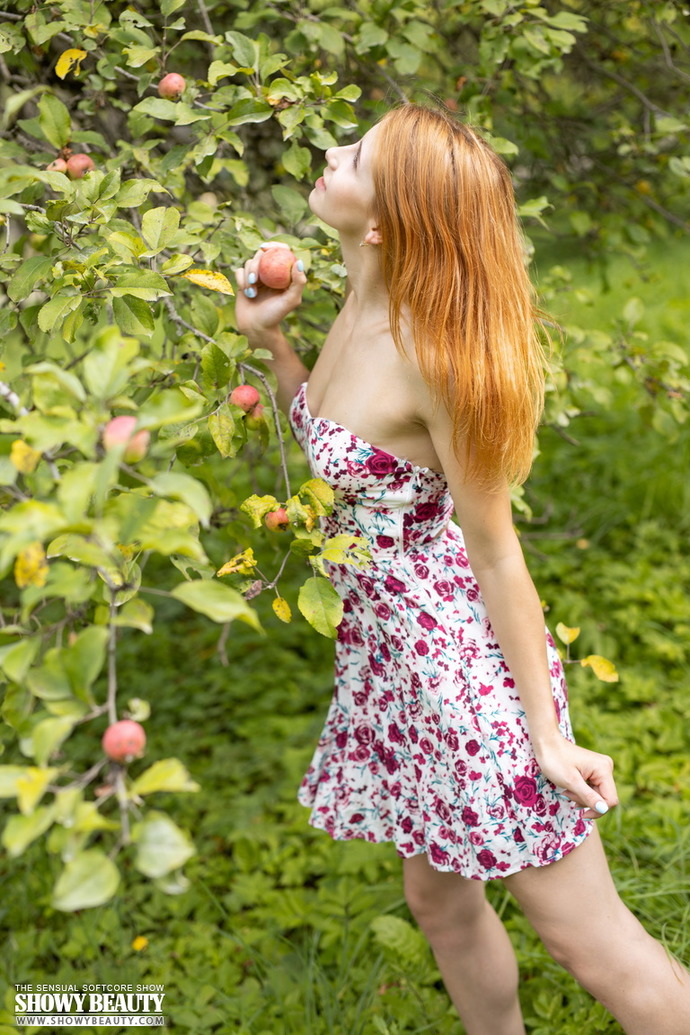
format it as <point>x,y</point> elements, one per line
<point>280,929</point>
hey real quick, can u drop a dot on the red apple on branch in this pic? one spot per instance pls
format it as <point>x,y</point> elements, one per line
<point>78,165</point>
<point>277,520</point>
<point>244,396</point>
<point>124,740</point>
<point>120,431</point>
<point>172,86</point>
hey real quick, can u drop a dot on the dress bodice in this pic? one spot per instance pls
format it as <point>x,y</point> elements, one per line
<point>393,503</point>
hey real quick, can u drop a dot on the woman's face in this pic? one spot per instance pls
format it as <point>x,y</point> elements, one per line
<point>344,196</point>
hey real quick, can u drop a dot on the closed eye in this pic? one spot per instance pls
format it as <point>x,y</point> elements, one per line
<point>355,161</point>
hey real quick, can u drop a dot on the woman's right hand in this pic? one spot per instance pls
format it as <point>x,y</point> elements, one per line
<point>258,315</point>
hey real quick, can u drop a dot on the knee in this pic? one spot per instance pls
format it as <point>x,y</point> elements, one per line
<point>443,904</point>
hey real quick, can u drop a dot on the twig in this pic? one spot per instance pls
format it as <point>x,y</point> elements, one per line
<point>125,73</point>
<point>667,53</point>
<point>177,319</point>
<point>622,81</point>
<point>13,399</point>
<point>112,661</point>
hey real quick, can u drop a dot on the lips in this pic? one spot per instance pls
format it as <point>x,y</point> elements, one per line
<point>320,183</point>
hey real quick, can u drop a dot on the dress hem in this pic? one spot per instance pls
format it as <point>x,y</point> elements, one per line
<point>534,863</point>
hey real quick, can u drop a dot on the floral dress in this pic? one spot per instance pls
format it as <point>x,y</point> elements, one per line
<point>426,742</point>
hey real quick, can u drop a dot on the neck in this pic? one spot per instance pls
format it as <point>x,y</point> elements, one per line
<point>364,275</point>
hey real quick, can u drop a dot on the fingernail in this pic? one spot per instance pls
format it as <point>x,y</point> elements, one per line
<point>250,292</point>
<point>601,807</point>
<point>251,279</point>
<point>300,266</point>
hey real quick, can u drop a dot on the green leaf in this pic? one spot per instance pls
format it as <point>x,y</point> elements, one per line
<point>186,488</point>
<point>159,226</point>
<point>27,275</point>
<point>321,606</point>
<point>161,845</point>
<point>106,366</point>
<point>221,425</point>
<point>167,774</point>
<point>135,614</point>
<point>48,735</point>
<point>220,70</point>
<point>134,193</point>
<point>215,368</point>
<point>54,120</point>
<point>20,831</point>
<point>297,160</point>
<point>31,786</point>
<point>216,601</point>
<point>170,406</point>
<point>52,314</point>
<point>133,316</point>
<point>9,774</point>
<point>16,658</point>
<point>83,660</point>
<point>89,879</point>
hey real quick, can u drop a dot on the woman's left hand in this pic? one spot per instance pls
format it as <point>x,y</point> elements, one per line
<point>585,776</point>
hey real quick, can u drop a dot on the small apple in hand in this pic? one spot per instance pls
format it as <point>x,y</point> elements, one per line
<point>244,396</point>
<point>124,740</point>
<point>120,431</point>
<point>78,165</point>
<point>275,267</point>
<point>277,520</point>
<point>172,86</point>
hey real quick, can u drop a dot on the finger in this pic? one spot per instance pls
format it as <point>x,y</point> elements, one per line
<point>297,275</point>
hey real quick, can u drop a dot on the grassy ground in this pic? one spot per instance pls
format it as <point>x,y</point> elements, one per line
<point>285,931</point>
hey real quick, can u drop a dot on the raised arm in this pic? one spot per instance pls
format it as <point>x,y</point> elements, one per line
<point>259,315</point>
<point>516,616</point>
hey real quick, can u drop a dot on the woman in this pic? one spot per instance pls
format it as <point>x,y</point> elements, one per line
<point>448,732</point>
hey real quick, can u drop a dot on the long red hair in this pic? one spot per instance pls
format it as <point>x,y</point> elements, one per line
<point>453,260</point>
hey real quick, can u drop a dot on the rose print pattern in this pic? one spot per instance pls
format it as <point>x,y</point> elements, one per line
<point>425,743</point>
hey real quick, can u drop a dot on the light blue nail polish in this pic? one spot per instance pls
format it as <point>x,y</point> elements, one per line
<point>250,292</point>
<point>601,807</point>
<point>300,266</point>
<point>251,279</point>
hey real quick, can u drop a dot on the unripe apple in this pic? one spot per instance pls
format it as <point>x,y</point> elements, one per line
<point>172,86</point>
<point>58,166</point>
<point>124,740</point>
<point>255,418</point>
<point>277,520</point>
<point>78,165</point>
<point>275,267</point>
<point>120,431</point>
<point>244,396</point>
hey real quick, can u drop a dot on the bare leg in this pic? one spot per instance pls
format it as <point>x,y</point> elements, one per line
<point>577,913</point>
<point>471,947</point>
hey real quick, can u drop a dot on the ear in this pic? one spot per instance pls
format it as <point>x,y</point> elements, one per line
<point>372,236</point>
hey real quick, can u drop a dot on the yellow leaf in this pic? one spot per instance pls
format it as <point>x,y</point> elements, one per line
<point>140,942</point>
<point>241,564</point>
<point>31,567</point>
<point>566,634</point>
<point>601,667</point>
<point>210,279</point>
<point>282,609</point>
<point>24,458</point>
<point>69,61</point>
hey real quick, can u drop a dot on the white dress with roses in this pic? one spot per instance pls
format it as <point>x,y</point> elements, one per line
<point>425,743</point>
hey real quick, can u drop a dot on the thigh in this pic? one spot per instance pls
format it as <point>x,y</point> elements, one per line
<point>574,902</point>
<point>430,891</point>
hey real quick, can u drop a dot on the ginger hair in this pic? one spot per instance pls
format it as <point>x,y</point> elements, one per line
<point>453,260</point>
